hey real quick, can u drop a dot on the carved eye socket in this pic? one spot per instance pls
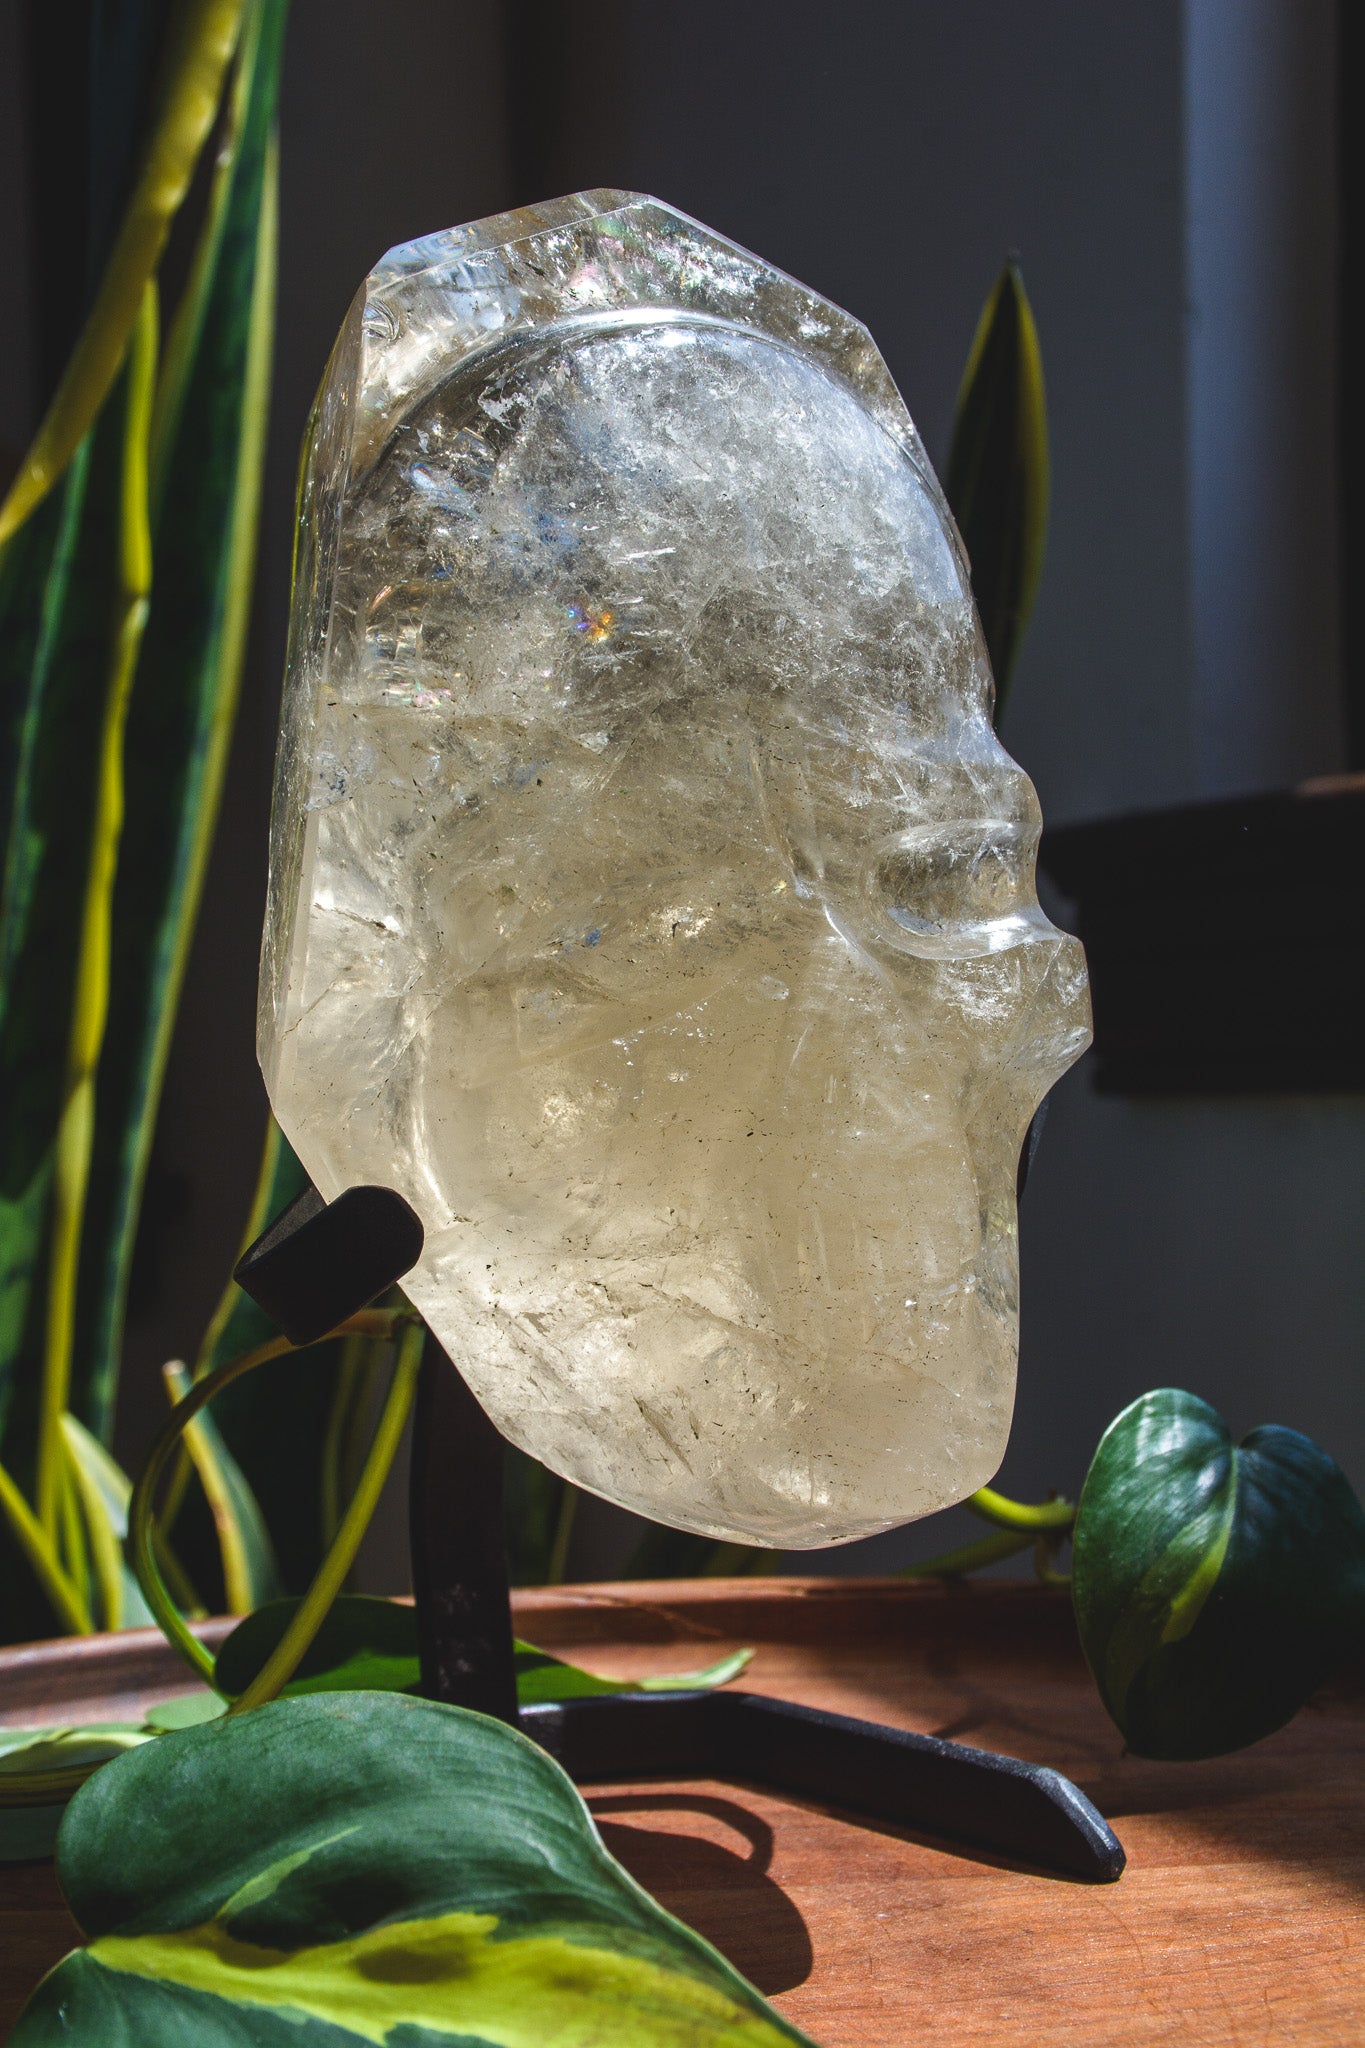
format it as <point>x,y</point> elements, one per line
<point>961,887</point>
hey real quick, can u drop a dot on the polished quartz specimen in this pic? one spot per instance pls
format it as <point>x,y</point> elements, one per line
<point>651,900</point>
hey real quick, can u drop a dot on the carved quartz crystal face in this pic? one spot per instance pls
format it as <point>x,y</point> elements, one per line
<point>651,900</point>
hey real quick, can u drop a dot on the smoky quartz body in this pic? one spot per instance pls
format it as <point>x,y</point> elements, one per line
<point>652,902</point>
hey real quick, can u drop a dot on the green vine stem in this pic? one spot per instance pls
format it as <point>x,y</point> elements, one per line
<point>971,1557</point>
<point>284,1660</point>
<point>361,1374</point>
<point>141,1511</point>
<point>257,1218</point>
<point>1039,1526</point>
<point>1019,1514</point>
<point>256,1221</point>
<point>232,1543</point>
<point>1045,1561</point>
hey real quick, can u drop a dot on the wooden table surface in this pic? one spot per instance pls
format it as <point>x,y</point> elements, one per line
<point>1240,1919</point>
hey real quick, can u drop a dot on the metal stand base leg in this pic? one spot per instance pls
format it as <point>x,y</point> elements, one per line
<point>969,1796</point>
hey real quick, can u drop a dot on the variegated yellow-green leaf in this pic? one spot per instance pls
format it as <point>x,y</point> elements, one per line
<point>1216,1584</point>
<point>363,1867</point>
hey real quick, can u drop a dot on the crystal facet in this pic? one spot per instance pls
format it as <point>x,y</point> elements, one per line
<point>651,900</point>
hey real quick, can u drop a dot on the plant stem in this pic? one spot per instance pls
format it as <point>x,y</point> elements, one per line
<point>1018,1514</point>
<point>237,1592</point>
<point>1045,1550</point>
<point>971,1557</point>
<point>284,1660</point>
<point>352,1375</point>
<point>141,1509</point>
<point>90,1008</point>
<point>256,1221</point>
<point>141,1546</point>
<point>41,1554</point>
<point>358,1425</point>
<point>178,1579</point>
<point>218,1322</point>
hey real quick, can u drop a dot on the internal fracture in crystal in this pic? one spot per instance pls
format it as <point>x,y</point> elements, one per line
<point>651,900</point>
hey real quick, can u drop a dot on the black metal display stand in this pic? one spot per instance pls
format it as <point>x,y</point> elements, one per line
<point>318,1264</point>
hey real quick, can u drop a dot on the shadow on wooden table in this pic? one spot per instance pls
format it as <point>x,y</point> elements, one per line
<point>728,1898</point>
<point>1296,1798</point>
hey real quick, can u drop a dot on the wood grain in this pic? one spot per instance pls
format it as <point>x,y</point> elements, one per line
<point>1240,1919</point>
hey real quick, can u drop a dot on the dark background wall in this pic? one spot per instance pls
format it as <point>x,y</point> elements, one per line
<point>1166,174</point>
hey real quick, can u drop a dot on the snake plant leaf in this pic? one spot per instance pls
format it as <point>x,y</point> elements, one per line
<point>208,445</point>
<point>997,476</point>
<point>207,33</point>
<point>57,594</point>
<point>1216,1585</point>
<point>368,1644</point>
<point>36,572</point>
<point>363,1867</point>
<point>105,1491</point>
<point>251,1575</point>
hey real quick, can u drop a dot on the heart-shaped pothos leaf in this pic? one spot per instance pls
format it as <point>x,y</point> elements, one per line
<point>366,1644</point>
<point>365,1867</point>
<point>1216,1584</point>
